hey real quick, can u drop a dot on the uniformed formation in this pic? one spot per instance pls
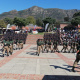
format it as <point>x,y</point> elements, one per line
<point>52,36</point>
<point>49,42</point>
<point>12,41</point>
<point>47,46</point>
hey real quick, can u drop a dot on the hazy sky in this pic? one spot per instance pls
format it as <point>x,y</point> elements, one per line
<point>8,5</point>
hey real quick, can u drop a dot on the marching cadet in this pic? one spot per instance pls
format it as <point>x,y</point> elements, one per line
<point>77,57</point>
<point>11,46</point>
<point>55,48</point>
<point>65,46</point>
<point>46,44</point>
<point>49,46</point>
<point>37,43</point>
<point>14,45</point>
<point>42,45</point>
<point>20,44</point>
<point>17,44</point>
<point>38,46</point>
<point>72,47</point>
<point>6,45</point>
<point>77,43</point>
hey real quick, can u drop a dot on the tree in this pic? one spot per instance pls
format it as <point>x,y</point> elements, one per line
<point>49,20</point>
<point>66,19</point>
<point>75,21</point>
<point>31,20</point>
<point>57,24</point>
<point>76,14</point>
<point>39,22</point>
<point>2,24</point>
<point>19,22</point>
<point>69,27</point>
<point>8,21</point>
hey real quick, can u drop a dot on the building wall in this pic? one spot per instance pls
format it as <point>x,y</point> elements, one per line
<point>63,25</point>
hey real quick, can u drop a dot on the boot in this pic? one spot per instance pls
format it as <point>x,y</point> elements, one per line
<point>47,51</point>
<point>3,55</point>
<point>51,51</point>
<point>11,53</point>
<point>38,54</point>
<point>7,54</point>
<point>73,69</point>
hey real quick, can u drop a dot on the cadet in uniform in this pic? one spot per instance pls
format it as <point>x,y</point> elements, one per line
<point>77,57</point>
<point>20,43</point>
<point>46,44</point>
<point>17,44</point>
<point>11,46</point>
<point>77,43</point>
<point>42,45</point>
<point>65,46</point>
<point>73,44</point>
<point>38,46</point>
<point>49,46</point>
<point>6,45</point>
<point>55,48</point>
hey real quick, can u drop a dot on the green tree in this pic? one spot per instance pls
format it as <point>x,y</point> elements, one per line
<point>76,14</point>
<point>8,21</point>
<point>49,20</point>
<point>2,24</point>
<point>66,19</point>
<point>39,22</point>
<point>31,20</point>
<point>75,21</point>
<point>19,22</point>
<point>57,24</point>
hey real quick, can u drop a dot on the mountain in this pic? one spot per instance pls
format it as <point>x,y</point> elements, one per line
<point>39,12</point>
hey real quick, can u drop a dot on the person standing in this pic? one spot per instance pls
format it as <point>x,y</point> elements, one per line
<point>49,46</point>
<point>42,45</point>
<point>77,57</point>
<point>39,46</point>
<point>6,45</point>
<point>21,43</point>
<point>65,46</point>
<point>55,48</point>
<point>11,46</point>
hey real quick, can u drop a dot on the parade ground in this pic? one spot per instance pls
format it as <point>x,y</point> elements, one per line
<point>24,64</point>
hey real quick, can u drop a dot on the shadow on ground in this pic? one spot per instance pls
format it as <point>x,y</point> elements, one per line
<point>60,77</point>
<point>31,53</point>
<point>67,66</point>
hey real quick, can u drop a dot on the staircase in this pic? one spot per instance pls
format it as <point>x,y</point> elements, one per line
<point>31,39</point>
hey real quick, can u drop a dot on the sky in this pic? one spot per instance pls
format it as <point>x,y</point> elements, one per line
<point>8,5</point>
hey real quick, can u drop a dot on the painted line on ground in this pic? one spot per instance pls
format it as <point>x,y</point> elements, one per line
<point>7,59</point>
<point>68,61</point>
<point>38,57</point>
<point>21,76</point>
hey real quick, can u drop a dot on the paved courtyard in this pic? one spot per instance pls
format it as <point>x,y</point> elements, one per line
<point>24,64</point>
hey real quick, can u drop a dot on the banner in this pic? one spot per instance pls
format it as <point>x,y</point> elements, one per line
<point>46,26</point>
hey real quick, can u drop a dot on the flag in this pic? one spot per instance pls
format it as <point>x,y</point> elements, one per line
<point>34,26</point>
<point>46,26</point>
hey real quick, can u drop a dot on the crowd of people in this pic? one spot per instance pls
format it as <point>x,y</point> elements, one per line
<point>12,41</point>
